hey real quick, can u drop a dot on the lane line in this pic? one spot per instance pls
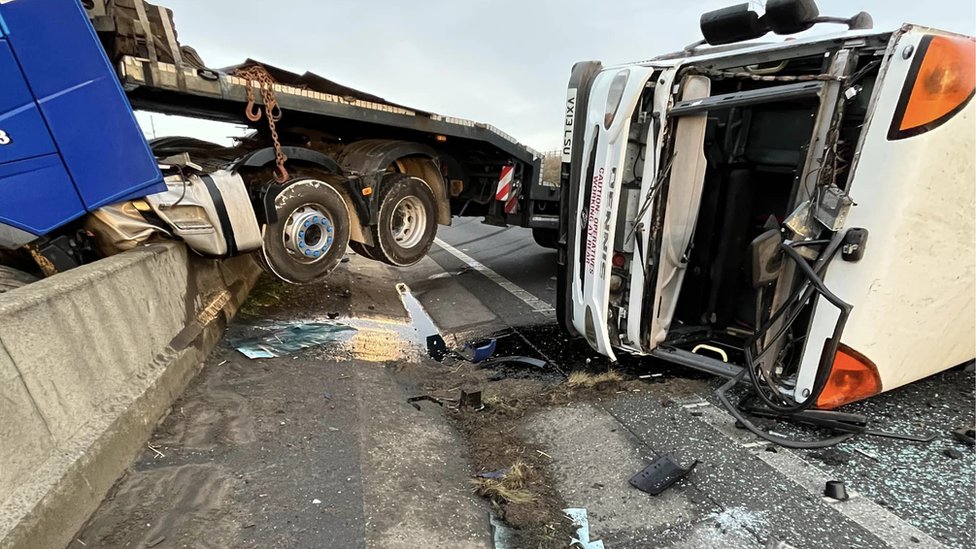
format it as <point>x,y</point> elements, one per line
<point>537,305</point>
<point>887,526</point>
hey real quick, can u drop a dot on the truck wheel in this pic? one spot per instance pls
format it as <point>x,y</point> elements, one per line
<point>11,278</point>
<point>311,234</point>
<point>407,221</point>
<point>547,238</point>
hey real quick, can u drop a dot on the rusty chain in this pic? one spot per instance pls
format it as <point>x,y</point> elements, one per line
<point>257,73</point>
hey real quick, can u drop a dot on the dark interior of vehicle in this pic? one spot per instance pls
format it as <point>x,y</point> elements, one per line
<point>754,157</point>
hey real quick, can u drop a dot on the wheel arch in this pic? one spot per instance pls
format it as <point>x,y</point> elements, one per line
<point>374,156</point>
<point>263,157</point>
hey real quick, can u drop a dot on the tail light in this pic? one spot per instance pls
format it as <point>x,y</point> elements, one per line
<point>619,260</point>
<point>853,377</point>
<point>940,83</point>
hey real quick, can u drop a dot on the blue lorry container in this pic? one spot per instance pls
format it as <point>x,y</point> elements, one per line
<point>69,142</point>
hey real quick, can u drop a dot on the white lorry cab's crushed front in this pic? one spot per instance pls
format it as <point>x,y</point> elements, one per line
<point>798,214</point>
<point>615,93</point>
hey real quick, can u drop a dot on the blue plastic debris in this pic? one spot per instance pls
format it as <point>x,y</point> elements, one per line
<point>503,536</point>
<point>582,539</point>
<point>493,474</point>
<point>480,352</point>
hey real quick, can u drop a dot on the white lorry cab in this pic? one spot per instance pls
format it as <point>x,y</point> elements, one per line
<point>796,212</point>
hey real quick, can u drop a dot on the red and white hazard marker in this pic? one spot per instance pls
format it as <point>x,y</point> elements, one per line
<point>504,191</point>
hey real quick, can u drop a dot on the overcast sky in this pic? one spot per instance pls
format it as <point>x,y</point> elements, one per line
<point>502,62</point>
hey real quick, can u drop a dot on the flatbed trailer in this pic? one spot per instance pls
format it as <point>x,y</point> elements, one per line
<point>325,166</point>
<point>482,150</point>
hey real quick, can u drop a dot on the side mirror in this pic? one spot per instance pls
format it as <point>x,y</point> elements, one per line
<point>790,16</point>
<point>767,258</point>
<point>731,24</point>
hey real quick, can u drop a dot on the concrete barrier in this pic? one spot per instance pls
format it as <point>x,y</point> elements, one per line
<point>90,360</point>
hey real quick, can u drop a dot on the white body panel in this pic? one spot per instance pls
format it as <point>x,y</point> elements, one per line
<point>211,225</point>
<point>652,166</point>
<point>681,212</point>
<point>595,237</point>
<point>913,293</point>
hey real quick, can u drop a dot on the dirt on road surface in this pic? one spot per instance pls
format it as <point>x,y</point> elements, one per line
<point>363,442</point>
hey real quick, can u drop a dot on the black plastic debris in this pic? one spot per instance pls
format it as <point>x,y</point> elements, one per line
<point>525,360</point>
<point>414,400</point>
<point>471,400</point>
<point>436,347</point>
<point>836,489</point>
<point>660,475</point>
<point>832,456</point>
<point>952,453</point>
<point>966,435</point>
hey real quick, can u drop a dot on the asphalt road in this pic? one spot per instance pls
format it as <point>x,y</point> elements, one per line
<point>320,449</point>
<point>918,488</point>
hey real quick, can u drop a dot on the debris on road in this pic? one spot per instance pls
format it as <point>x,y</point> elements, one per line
<point>472,400</point>
<point>508,488</point>
<point>836,489</point>
<point>154,449</point>
<point>287,338</point>
<point>414,400</point>
<point>525,360</point>
<point>832,456</point>
<point>493,474</point>
<point>952,453</point>
<point>436,347</point>
<point>773,543</point>
<point>966,435</point>
<point>479,352</point>
<point>660,475</point>
<point>503,535</point>
<point>867,454</point>
<point>582,523</point>
<point>581,379</point>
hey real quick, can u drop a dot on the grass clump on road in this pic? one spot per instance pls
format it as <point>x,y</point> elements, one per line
<point>510,487</point>
<point>587,380</point>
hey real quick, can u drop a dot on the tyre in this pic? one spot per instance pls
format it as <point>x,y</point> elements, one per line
<point>407,221</point>
<point>11,278</point>
<point>547,238</point>
<point>311,234</point>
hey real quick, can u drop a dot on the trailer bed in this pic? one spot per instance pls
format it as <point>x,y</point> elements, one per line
<point>218,95</point>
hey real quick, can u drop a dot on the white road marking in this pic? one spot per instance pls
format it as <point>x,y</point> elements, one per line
<point>874,518</point>
<point>532,301</point>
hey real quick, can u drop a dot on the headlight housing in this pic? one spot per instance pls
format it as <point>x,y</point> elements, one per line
<point>615,95</point>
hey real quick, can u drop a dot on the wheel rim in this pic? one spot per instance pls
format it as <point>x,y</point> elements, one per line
<point>408,222</point>
<point>308,233</point>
